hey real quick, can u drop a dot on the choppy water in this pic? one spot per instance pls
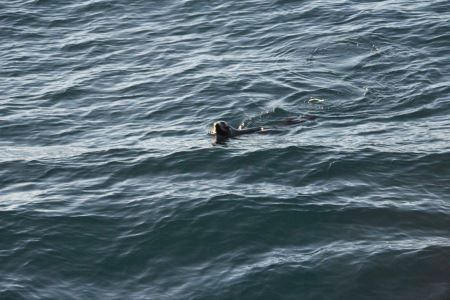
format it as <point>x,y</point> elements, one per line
<point>111,187</point>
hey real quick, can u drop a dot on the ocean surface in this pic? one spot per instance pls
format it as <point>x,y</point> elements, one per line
<point>112,187</point>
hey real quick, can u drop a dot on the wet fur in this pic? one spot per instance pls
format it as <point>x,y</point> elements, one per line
<point>223,129</point>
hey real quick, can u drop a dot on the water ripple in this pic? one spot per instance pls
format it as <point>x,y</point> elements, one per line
<point>111,186</point>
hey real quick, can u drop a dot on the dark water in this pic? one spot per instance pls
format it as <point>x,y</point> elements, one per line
<point>111,187</point>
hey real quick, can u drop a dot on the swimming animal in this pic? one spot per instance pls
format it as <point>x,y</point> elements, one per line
<point>224,130</point>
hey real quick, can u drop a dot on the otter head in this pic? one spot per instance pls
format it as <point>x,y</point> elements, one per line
<point>221,128</point>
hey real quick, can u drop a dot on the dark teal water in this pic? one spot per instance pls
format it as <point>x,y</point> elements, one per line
<point>112,188</point>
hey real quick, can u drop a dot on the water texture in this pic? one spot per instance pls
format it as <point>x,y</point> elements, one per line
<point>112,188</point>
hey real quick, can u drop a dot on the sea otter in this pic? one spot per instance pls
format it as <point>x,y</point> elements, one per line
<point>224,130</point>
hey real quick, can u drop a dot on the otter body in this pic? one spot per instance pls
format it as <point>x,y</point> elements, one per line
<point>223,129</point>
